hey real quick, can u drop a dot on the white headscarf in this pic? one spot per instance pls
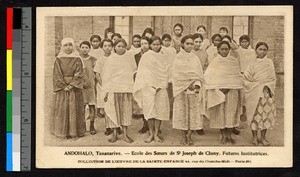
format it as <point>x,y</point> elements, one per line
<point>62,53</point>
<point>74,52</point>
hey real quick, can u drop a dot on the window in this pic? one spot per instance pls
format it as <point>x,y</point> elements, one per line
<point>122,27</point>
<point>240,26</point>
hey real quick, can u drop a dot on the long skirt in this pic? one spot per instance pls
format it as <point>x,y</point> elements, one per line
<point>155,105</point>
<point>123,107</point>
<point>68,114</point>
<point>186,112</point>
<point>226,115</point>
<point>264,116</point>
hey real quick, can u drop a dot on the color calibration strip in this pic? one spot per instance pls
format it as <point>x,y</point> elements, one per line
<point>9,134</point>
<point>18,97</point>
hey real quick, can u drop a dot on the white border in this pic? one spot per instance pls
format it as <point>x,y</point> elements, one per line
<point>52,157</point>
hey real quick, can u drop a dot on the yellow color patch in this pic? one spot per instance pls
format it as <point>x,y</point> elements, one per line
<point>9,69</point>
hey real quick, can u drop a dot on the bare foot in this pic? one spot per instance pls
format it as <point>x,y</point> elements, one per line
<point>265,142</point>
<point>183,141</point>
<point>119,131</point>
<point>235,131</point>
<point>200,132</point>
<point>74,138</point>
<point>223,140</point>
<point>144,129</point>
<point>113,139</point>
<point>81,135</point>
<point>254,141</point>
<point>101,112</point>
<point>108,131</point>
<point>128,139</point>
<point>149,139</point>
<point>157,138</point>
<point>92,131</point>
<point>190,142</point>
<point>230,141</point>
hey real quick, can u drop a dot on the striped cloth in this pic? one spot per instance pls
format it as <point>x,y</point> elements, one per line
<point>187,113</point>
<point>226,115</point>
<point>123,105</point>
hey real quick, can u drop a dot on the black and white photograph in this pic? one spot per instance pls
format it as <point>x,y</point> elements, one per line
<point>164,86</point>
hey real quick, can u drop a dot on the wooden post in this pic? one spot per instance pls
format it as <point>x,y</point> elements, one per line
<point>112,22</point>
<point>250,29</point>
<point>209,19</point>
<point>130,30</point>
<point>153,24</point>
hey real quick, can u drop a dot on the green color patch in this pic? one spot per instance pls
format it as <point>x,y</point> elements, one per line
<point>9,111</point>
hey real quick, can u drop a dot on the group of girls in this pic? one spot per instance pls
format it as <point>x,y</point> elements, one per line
<point>184,78</point>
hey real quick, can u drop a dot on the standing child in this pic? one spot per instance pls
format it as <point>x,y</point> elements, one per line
<point>148,32</point>
<point>171,53</point>
<point>233,52</point>
<point>246,57</point>
<point>223,31</point>
<point>107,48</point>
<point>96,50</point>
<point>233,46</point>
<point>176,39</point>
<point>260,81</point>
<point>246,53</point>
<point>223,85</point>
<point>197,50</point>
<point>89,95</point>
<point>202,30</point>
<point>212,51</point>
<point>150,87</point>
<point>166,44</point>
<point>187,81</point>
<point>203,58</point>
<point>108,33</point>
<point>136,44</point>
<point>115,36</point>
<point>118,73</point>
<point>68,119</point>
<point>145,46</point>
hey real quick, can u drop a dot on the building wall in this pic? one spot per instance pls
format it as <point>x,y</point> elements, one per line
<point>221,21</point>
<point>51,47</point>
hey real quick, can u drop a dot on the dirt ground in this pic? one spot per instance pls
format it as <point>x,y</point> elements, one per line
<point>171,137</point>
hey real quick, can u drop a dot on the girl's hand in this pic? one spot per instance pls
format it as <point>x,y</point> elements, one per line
<point>197,88</point>
<point>191,87</point>
<point>157,90</point>
<point>68,88</point>
<point>266,92</point>
<point>106,97</point>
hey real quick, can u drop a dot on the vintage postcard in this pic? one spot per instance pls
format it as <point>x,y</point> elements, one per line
<point>164,87</point>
